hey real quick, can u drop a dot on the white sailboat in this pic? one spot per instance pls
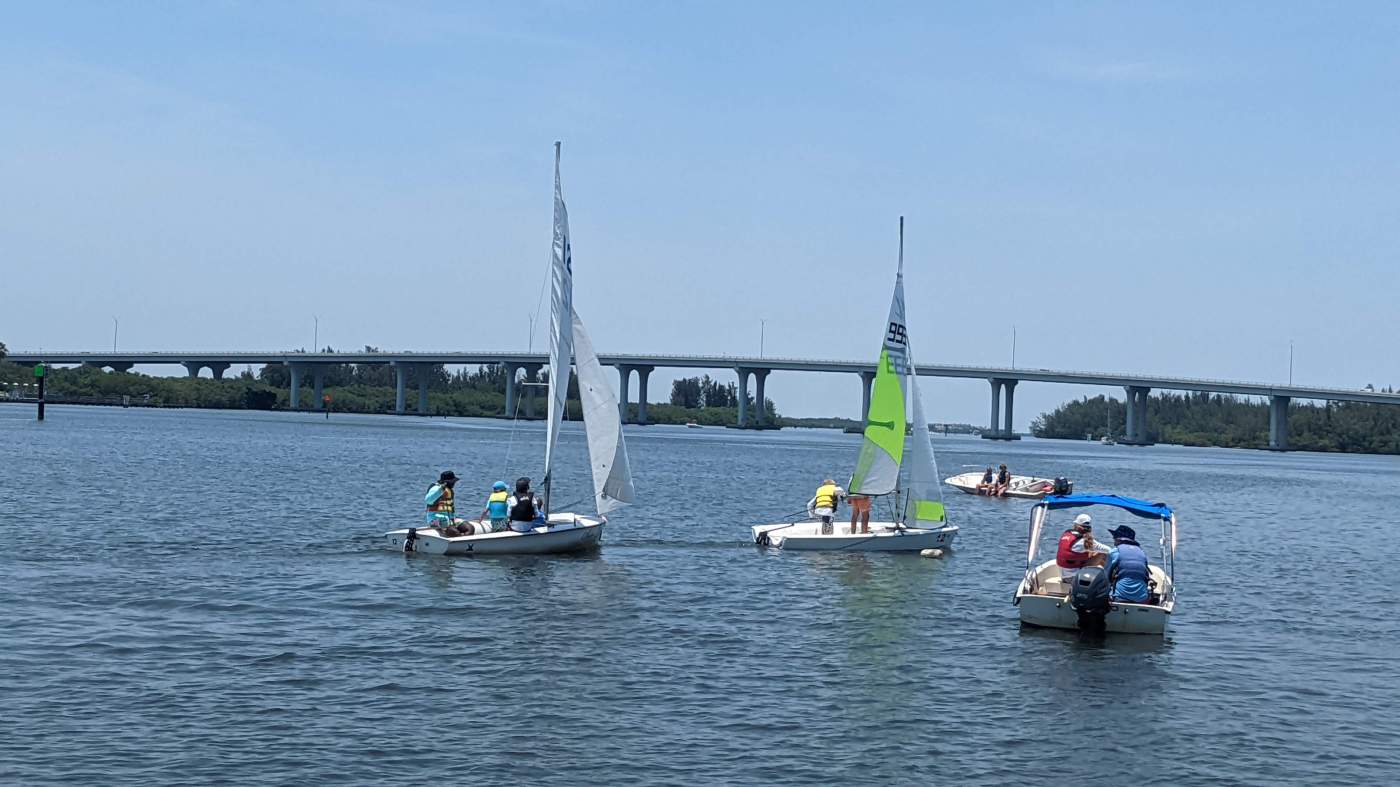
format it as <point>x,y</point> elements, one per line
<point>607,451</point>
<point>920,520</point>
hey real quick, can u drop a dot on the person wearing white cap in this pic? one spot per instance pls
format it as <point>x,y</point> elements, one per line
<point>1078,548</point>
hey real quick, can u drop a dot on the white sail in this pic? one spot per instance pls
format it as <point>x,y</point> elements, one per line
<point>607,452</point>
<point>882,450</point>
<point>561,323</point>
<point>925,506</point>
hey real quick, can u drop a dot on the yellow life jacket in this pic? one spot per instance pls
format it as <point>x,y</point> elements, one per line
<point>826,496</point>
<point>443,505</point>
<point>496,504</point>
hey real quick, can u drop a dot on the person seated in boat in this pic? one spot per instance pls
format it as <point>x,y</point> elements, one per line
<point>1128,573</point>
<point>441,504</point>
<point>1003,482</point>
<point>860,510</point>
<point>988,483</point>
<point>1078,548</point>
<point>526,509</point>
<point>497,509</point>
<point>823,503</point>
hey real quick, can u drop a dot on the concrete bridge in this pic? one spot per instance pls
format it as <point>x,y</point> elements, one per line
<point>1003,381</point>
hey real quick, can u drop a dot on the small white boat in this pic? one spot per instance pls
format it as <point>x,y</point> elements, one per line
<point>562,533</point>
<point>692,425</point>
<point>1023,486</point>
<point>607,452</point>
<point>1106,440</point>
<point>920,520</point>
<point>1045,600</point>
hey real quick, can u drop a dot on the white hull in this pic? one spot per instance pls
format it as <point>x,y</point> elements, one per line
<point>883,537</point>
<point>1044,602</point>
<point>565,533</point>
<point>1022,486</point>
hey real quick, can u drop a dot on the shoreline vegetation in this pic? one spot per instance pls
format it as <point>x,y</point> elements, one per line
<point>1226,421</point>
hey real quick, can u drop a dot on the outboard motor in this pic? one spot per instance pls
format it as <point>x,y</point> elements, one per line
<point>1088,597</point>
<point>1063,486</point>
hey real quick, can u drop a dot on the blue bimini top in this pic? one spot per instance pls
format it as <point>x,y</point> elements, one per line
<point>1135,507</point>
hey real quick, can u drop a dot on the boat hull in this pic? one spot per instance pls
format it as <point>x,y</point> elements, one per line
<point>1022,486</point>
<point>883,537</point>
<point>1045,604</point>
<point>565,533</point>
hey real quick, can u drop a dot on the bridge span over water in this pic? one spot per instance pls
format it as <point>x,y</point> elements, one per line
<point>1003,380</point>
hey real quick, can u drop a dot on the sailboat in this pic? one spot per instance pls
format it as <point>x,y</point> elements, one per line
<point>607,451</point>
<point>920,519</point>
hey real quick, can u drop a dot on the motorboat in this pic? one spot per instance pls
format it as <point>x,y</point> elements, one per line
<point>1045,599</point>
<point>692,425</point>
<point>1107,440</point>
<point>1023,486</point>
<point>607,451</point>
<point>919,519</point>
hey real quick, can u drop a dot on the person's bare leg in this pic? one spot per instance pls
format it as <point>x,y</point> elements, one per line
<point>854,516</point>
<point>865,521</point>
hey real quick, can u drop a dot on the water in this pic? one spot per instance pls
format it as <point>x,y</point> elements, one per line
<point>199,597</point>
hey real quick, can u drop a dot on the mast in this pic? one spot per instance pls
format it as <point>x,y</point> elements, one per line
<point>561,319</point>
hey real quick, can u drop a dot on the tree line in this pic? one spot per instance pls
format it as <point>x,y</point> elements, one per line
<point>1206,419</point>
<point>699,393</point>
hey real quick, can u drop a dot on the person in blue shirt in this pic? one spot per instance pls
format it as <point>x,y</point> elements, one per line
<point>1127,567</point>
<point>497,506</point>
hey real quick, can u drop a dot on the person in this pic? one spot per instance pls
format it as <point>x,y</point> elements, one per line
<point>441,504</point>
<point>1078,548</point>
<point>497,506</point>
<point>989,482</point>
<point>1127,567</point>
<point>823,503</point>
<point>860,510</point>
<point>1003,482</point>
<point>526,510</point>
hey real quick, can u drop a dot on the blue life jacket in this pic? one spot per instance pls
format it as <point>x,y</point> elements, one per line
<point>1130,573</point>
<point>496,505</point>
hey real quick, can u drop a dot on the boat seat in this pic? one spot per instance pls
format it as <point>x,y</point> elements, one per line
<point>1054,586</point>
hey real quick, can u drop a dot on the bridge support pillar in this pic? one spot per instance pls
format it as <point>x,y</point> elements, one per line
<point>624,383</point>
<point>295,394</point>
<point>760,418</point>
<point>120,367</point>
<point>511,371</point>
<point>742,394</point>
<point>1136,432</point>
<point>421,372</point>
<point>866,380</point>
<point>532,375</point>
<point>318,388</point>
<point>643,372</point>
<point>400,386</point>
<point>1278,423</point>
<point>217,369</point>
<point>192,368</point>
<point>994,429</point>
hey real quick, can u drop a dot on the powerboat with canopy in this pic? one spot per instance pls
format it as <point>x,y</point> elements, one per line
<point>1044,599</point>
<point>607,451</point>
<point>920,520</point>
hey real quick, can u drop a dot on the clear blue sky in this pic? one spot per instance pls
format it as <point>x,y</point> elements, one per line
<point>1164,188</point>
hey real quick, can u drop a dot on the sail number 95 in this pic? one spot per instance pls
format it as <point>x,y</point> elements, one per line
<point>896,335</point>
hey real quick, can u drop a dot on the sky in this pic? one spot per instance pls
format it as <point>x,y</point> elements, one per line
<point>1163,188</point>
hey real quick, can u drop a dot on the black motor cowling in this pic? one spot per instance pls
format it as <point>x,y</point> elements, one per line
<point>1063,486</point>
<point>1089,598</point>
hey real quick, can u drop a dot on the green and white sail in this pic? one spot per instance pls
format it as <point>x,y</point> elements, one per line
<point>925,506</point>
<point>882,450</point>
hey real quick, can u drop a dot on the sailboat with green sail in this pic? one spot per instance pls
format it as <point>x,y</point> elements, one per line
<point>906,482</point>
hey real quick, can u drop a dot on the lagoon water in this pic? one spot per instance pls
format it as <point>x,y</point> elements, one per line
<point>201,597</point>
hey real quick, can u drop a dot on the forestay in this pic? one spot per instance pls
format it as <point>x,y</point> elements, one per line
<point>612,475</point>
<point>882,450</point>
<point>561,323</point>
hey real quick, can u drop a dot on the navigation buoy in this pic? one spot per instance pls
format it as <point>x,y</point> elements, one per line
<point>931,553</point>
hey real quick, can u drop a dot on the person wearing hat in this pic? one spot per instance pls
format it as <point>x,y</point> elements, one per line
<point>440,501</point>
<point>1127,567</point>
<point>497,508</point>
<point>526,510</point>
<point>823,504</point>
<point>1078,548</point>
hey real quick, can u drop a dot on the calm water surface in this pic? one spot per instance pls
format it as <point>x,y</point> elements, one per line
<point>200,597</point>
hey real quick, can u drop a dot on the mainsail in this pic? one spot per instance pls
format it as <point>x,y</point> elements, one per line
<point>925,507</point>
<point>612,477</point>
<point>877,468</point>
<point>561,323</point>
